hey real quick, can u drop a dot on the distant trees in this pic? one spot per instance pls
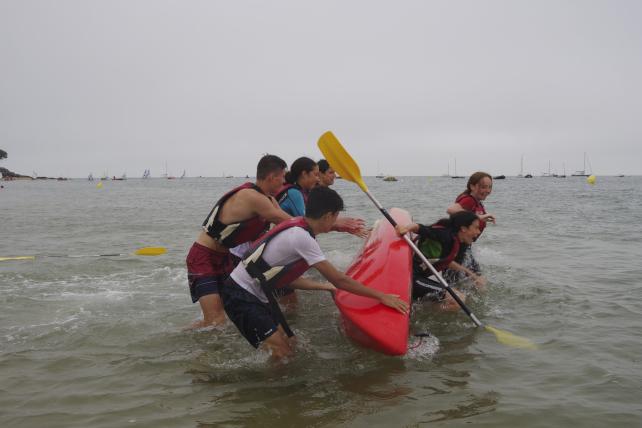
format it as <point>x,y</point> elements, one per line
<point>3,154</point>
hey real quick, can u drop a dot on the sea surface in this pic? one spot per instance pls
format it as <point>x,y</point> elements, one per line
<point>100,341</point>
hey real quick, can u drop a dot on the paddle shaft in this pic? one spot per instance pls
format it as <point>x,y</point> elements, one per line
<point>425,260</point>
<point>145,251</point>
<point>84,255</point>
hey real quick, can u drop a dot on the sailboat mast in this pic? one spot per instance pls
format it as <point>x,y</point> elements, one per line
<point>521,167</point>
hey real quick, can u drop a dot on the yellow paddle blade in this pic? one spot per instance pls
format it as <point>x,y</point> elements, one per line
<point>17,258</point>
<point>340,160</point>
<point>510,339</point>
<point>150,251</point>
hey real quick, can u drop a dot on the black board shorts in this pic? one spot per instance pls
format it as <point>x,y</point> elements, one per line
<point>426,288</point>
<point>254,319</point>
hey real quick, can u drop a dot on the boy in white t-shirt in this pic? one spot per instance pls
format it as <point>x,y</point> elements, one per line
<point>280,257</point>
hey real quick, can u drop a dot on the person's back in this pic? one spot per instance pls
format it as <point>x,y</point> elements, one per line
<point>240,216</point>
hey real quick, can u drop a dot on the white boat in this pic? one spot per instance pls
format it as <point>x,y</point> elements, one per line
<point>521,171</point>
<point>582,173</point>
<point>548,174</point>
<point>167,176</point>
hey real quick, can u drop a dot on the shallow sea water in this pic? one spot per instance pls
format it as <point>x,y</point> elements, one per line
<point>99,341</point>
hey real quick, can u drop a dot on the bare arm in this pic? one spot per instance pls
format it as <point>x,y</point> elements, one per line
<point>269,209</point>
<point>454,208</point>
<point>410,227</point>
<point>354,226</point>
<point>344,282</point>
<point>303,283</point>
<point>487,217</point>
<point>477,279</point>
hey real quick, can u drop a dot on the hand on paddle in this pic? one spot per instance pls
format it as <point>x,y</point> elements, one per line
<point>353,226</point>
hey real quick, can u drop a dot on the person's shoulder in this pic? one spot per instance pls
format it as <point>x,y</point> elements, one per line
<point>466,201</point>
<point>295,192</point>
<point>301,234</point>
<point>464,197</point>
<point>252,192</point>
<point>439,232</point>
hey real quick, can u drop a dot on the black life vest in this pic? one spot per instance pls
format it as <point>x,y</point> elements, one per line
<point>231,235</point>
<point>282,194</point>
<point>429,248</point>
<point>272,277</point>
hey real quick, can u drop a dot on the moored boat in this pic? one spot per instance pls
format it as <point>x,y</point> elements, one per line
<point>385,264</point>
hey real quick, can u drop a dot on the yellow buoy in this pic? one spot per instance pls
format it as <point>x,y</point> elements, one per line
<point>590,179</point>
<point>99,185</point>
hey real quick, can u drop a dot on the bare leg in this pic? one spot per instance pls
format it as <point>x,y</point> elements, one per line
<point>278,345</point>
<point>213,313</point>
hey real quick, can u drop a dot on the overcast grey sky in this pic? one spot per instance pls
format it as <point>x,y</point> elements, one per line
<point>407,86</point>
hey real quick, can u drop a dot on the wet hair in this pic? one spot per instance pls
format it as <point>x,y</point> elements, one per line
<point>323,166</point>
<point>458,220</point>
<point>474,179</point>
<point>269,164</point>
<point>298,167</point>
<point>323,200</point>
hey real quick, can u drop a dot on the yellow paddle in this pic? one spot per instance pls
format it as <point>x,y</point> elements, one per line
<point>341,161</point>
<point>145,251</point>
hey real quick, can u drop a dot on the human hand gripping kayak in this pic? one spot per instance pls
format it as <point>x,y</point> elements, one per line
<point>393,301</point>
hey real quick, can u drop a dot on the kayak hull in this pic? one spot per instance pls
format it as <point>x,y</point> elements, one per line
<point>384,264</point>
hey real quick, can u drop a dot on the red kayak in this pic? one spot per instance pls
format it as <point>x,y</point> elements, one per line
<point>385,264</point>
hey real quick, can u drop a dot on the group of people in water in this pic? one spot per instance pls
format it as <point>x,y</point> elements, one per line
<point>243,268</point>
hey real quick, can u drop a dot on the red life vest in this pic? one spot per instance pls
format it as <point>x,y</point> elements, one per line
<point>271,277</point>
<point>231,235</point>
<point>443,262</point>
<point>477,207</point>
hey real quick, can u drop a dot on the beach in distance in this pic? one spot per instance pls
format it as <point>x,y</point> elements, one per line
<point>99,341</point>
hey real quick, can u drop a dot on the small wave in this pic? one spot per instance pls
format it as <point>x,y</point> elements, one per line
<point>422,347</point>
<point>489,256</point>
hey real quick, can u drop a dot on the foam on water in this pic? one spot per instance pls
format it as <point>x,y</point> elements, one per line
<point>423,347</point>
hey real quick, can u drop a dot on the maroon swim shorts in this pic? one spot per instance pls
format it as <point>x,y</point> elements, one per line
<point>207,269</point>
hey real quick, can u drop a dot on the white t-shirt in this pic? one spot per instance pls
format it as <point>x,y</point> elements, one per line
<point>287,247</point>
<point>239,250</point>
